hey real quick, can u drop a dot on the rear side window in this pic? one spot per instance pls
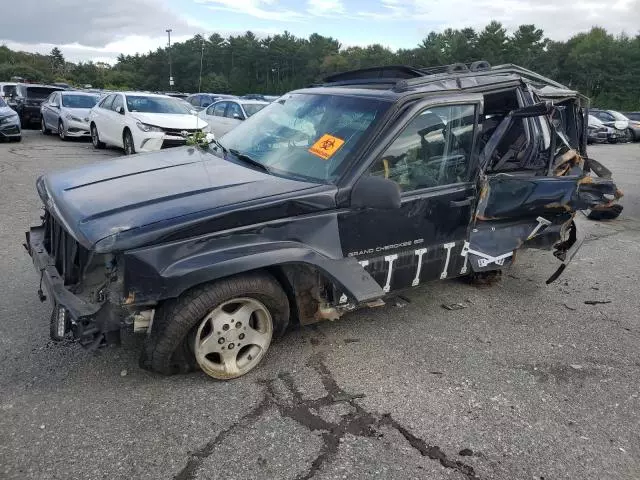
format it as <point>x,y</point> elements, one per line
<point>39,92</point>
<point>218,111</point>
<point>234,111</point>
<point>9,90</point>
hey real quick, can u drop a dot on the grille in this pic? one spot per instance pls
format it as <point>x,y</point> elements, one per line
<point>70,257</point>
<point>178,131</point>
<point>173,143</point>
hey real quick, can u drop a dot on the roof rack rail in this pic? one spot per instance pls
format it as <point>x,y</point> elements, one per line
<point>403,77</point>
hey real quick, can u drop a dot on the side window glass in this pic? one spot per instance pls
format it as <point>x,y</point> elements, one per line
<point>193,100</point>
<point>117,102</point>
<point>205,101</point>
<point>234,111</point>
<point>218,111</point>
<point>106,103</point>
<point>434,149</point>
<point>210,110</point>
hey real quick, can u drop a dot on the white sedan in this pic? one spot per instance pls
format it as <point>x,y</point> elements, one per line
<point>224,115</point>
<point>141,122</point>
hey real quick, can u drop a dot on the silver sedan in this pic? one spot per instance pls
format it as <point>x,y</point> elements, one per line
<point>67,113</point>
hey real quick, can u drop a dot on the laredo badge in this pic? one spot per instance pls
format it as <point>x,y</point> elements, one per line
<point>326,146</point>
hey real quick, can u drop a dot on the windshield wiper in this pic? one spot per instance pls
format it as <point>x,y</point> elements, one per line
<point>247,159</point>
<point>217,143</point>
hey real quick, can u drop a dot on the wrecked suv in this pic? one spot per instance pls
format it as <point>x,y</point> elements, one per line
<point>331,198</point>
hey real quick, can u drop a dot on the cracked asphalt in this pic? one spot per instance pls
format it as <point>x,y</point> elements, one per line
<point>527,382</point>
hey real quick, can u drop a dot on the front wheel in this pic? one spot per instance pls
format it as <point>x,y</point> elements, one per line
<point>95,138</point>
<point>61,132</point>
<point>127,141</point>
<point>224,328</point>
<point>43,127</point>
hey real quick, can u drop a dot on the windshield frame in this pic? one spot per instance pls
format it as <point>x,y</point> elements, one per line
<point>360,144</point>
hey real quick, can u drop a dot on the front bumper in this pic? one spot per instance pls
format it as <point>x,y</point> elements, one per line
<point>45,265</point>
<point>154,141</point>
<point>10,130</point>
<point>77,129</point>
<point>92,324</point>
<point>30,114</point>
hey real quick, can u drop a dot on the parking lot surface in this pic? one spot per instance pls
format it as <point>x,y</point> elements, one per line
<point>527,381</point>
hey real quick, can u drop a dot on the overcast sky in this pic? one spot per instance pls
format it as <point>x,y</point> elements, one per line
<point>101,29</point>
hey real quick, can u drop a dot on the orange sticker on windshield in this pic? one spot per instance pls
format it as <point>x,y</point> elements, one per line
<point>326,146</point>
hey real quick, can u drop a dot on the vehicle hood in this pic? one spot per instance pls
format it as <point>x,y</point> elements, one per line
<point>80,113</point>
<point>170,120</point>
<point>160,191</point>
<point>7,112</point>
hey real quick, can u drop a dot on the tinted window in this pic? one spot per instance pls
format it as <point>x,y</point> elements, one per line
<point>194,100</point>
<point>117,102</point>
<point>210,110</point>
<point>434,149</point>
<point>206,100</point>
<point>633,116</point>
<point>9,90</point>
<point>219,108</point>
<point>106,103</point>
<point>79,101</point>
<point>39,92</point>
<point>234,111</point>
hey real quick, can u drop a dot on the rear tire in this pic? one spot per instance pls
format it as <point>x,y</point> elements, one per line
<point>179,326</point>
<point>95,138</point>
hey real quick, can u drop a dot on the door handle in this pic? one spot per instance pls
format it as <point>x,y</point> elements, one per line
<point>461,203</point>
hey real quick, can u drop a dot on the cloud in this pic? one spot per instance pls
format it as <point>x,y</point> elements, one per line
<point>325,7</point>
<point>263,9</point>
<point>559,20</point>
<point>94,23</point>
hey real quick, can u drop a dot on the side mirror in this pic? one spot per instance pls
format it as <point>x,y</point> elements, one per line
<point>55,105</point>
<point>375,192</point>
<point>237,116</point>
<point>120,110</point>
<point>535,110</point>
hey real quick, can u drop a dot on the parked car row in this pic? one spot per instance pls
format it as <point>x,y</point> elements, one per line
<point>613,127</point>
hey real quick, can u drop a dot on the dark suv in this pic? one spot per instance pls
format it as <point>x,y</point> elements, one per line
<point>331,198</point>
<point>28,98</point>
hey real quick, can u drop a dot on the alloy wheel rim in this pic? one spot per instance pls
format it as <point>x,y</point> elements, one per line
<point>233,338</point>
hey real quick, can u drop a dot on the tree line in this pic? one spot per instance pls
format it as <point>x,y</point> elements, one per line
<point>600,65</point>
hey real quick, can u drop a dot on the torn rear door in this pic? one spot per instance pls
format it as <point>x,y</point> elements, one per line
<point>527,208</point>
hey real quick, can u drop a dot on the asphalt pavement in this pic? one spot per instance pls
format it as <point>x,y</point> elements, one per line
<point>528,381</point>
